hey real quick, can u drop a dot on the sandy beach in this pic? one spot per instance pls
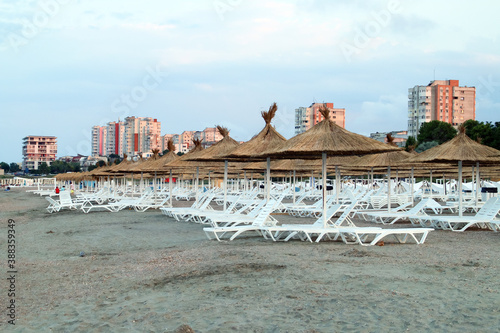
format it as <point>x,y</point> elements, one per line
<point>144,272</point>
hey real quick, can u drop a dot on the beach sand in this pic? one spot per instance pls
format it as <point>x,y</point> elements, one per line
<point>145,272</point>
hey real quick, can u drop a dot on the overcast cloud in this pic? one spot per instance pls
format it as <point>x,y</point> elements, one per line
<point>68,65</point>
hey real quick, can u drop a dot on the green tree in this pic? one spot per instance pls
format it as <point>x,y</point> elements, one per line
<point>4,166</point>
<point>100,164</point>
<point>43,168</point>
<point>426,145</point>
<point>487,132</point>
<point>91,167</point>
<point>74,167</point>
<point>14,167</point>
<point>495,142</point>
<point>410,142</point>
<point>436,131</point>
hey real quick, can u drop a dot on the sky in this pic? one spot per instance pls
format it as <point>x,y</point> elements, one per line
<point>67,65</point>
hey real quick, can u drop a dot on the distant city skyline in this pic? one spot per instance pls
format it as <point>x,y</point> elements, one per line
<point>69,65</point>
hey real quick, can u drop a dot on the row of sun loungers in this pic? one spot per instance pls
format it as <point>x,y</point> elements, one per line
<point>250,212</point>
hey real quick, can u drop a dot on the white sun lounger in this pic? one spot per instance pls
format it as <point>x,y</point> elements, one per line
<point>263,218</point>
<point>483,218</point>
<point>392,217</point>
<point>370,236</point>
<point>305,231</point>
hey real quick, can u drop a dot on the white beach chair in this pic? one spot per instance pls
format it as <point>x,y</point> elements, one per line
<point>65,202</point>
<point>371,236</point>
<point>392,217</point>
<point>483,218</point>
<point>234,230</point>
<point>305,231</point>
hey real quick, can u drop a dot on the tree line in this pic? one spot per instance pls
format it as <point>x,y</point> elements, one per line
<point>437,132</point>
<point>54,168</point>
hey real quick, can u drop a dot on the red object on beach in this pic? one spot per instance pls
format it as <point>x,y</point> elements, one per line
<point>57,190</point>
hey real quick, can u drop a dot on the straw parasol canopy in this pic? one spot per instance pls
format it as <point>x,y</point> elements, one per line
<point>382,159</point>
<point>267,139</point>
<point>221,148</point>
<point>155,162</point>
<point>183,161</point>
<point>327,137</point>
<point>460,148</point>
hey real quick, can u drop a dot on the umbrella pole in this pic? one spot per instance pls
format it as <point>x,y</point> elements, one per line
<point>225,184</point>
<point>196,184</point>
<point>268,179</point>
<point>293,187</point>
<point>238,182</point>
<point>337,183</point>
<point>323,188</point>
<point>460,213</point>
<point>209,185</point>
<point>477,183</point>
<point>389,188</point>
<point>142,182</point>
<point>412,182</point>
<point>155,186</point>
<point>472,178</point>
<point>244,181</point>
<point>372,180</point>
<point>170,187</point>
<point>444,184</point>
<point>430,195</point>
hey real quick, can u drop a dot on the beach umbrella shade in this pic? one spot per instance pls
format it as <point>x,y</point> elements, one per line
<point>267,139</point>
<point>327,138</point>
<point>462,150</point>
<point>384,160</point>
<point>213,155</point>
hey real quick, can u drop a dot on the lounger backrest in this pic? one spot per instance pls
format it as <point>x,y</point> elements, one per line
<point>418,207</point>
<point>207,201</point>
<point>65,198</point>
<point>332,210</point>
<point>301,198</point>
<point>345,215</point>
<point>256,210</point>
<point>431,203</point>
<point>490,208</point>
<point>401,207</point>
<point>52,201</point>
<point>264,213</point>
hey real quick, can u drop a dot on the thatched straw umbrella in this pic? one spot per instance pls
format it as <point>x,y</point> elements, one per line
<point>462,150</point>
<point>156,163</point>
<point>182,163</point>
<point>327,138</point>
<point>384,160</point>
<point>214,153</point>
<point>267,139</point>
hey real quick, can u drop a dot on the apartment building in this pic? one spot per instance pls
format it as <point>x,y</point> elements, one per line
<point>38,149</point>
<point>133,136</point>
<point>307,117</point>
<point>442,100</point>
